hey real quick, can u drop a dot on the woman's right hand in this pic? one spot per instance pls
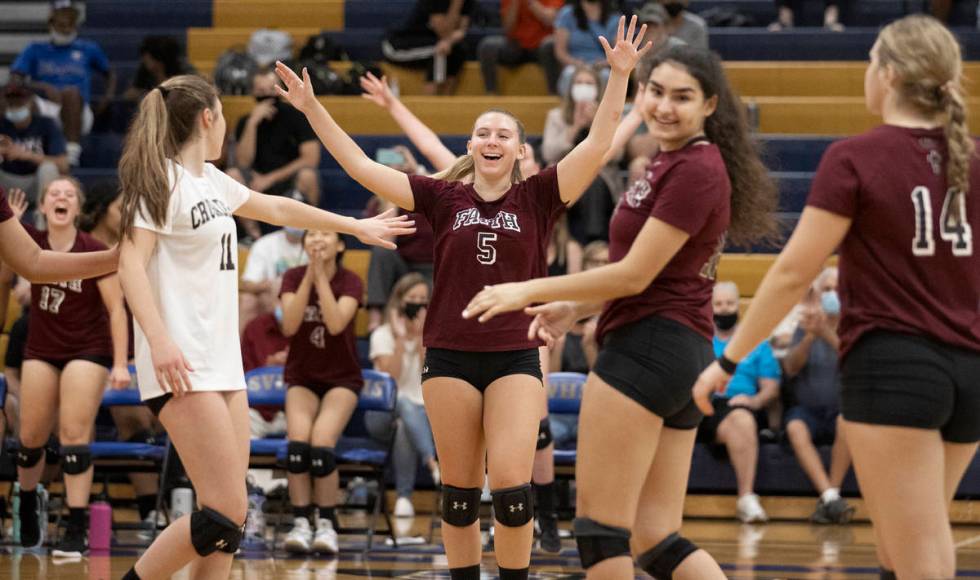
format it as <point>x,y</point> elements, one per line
<point>17,199</point>
<point>170,367</point>
<point>299,92</point>
<point>551,321</point>
<point>377,90</point>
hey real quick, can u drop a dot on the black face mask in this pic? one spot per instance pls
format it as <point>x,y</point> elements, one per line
<point>674,8</point>
<point>411,311</point>
<point>725,322</point>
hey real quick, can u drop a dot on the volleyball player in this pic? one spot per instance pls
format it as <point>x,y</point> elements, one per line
<point>482,383</point>
<point>179,268</point>
<point>638,421</point>
<point>900,202</point>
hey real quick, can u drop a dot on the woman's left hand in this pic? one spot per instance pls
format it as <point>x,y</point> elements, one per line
<point>382,228</point>
<point>17,199</point>
<point>494,300</point>
<point>627,52</point>
<point>119,377</point>
<point>712,380</point>
<point>298,92</point>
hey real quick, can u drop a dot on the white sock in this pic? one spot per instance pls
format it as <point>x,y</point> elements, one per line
<point>830,495</point>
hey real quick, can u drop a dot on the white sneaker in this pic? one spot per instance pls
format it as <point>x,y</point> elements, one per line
<point>151,519</point>
<point>74,152</point>
<point>404,508</point>
<point>749,510</point>
<point>325,541</point>
<point>298,539</point>
<point>436,476</point>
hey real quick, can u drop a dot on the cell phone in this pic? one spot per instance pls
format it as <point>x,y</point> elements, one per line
<point>387,156</point>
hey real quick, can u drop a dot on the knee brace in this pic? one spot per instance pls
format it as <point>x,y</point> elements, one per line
<point>297,457</point>
<point>211,531</point>
<point>76,459</point>
<point>460,505</point>
<point>661,560</point>
<point>323,461</point>
<point>544,434</point>
<point>28,457</point>
<point>513,506</point>
<point>597,542</point>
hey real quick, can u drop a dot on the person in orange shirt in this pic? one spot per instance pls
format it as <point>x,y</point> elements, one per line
<point>528,27</point>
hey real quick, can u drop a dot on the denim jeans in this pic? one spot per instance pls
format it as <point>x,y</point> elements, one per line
<point>413,441</point>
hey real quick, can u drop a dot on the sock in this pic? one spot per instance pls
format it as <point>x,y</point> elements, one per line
<point>77,517</point>
<point>329,513</point>
<point>887,575</point>
<point>544,495</point>
<point>131,575</point>
<point>146,504</point>
<point>830,495</point>
<point>303,511</point>
<point>28,499</point>
<point>467,573</point>
<point>513,573</point>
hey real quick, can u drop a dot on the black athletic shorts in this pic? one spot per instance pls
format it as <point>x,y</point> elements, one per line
<point>908,380</point>
<point>480,369</point>
<point>655,361</point>
<point>155,405</point>
<point>14,357</point>
<point>61,363</point>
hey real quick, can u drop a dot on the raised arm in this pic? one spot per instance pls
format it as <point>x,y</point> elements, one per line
<point>383,181</point>
<point>627,127</point>
<point>579,168</point>
<point>425,139</point>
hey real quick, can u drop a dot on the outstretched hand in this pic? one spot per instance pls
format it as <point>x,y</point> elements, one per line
<point>17,199</point>
<point>494,300</point>
<point>299,92</point>
<point>627,52</point>
<point>551,321</point>
<point>381,229</point>
<point>377,90</point>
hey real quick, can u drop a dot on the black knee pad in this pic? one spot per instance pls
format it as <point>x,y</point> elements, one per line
<point>76,459</point>
<point>544,433</point>
<point>297,457</point>
<point>597,542</point>
<point>513,506</point>
<point>460,505</point>
<point>887,575</point>
<point>28,457</point>
<point>661,560</point>
<point>323,461</point>
<point>211,532</point>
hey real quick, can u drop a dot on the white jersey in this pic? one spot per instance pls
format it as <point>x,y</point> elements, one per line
<point>193,276</point>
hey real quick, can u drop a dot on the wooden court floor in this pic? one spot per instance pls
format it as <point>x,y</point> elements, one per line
<point>779,550</point>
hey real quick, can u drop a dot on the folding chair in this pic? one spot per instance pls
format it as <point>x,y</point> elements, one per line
<point>565,398</point>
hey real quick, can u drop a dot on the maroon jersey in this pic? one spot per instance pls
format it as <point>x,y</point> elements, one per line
<point>479,243</point>
<point>417,248</point>
<point>5,212</point>
<point>261,339</point>
<point>690,190</point>
<point>315,356</point>
<point>904,266</point>
<point>68,319</point>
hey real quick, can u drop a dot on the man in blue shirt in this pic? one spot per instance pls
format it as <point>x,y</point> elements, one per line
<point>60,71</point>
<point>32,148</point>
<point>754,387</point>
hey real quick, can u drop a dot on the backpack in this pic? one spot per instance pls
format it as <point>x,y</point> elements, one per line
<point>321,49</point>
<point>324,80</point>
<point>351,80</point>
<point>233,72</point>
<point>267,46</point>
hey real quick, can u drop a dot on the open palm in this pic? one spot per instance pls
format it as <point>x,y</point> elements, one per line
<point>376,90</point>
<point>627,52</point>
<point>299,92</point>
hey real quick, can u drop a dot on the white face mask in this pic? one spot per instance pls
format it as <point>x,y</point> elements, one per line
<point>59,39</point>
<point>584,92</point>
<point>17,116</point>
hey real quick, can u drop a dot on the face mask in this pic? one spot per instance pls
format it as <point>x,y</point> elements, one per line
<point>674,8</point>
<point>293,232</point>
<point>59,39</point>
<point>830,302</point>
<point>278,314</point>
<point>726,321</point>
<point>584,93</point>
<point>18,116</point>
<point>411,311</point>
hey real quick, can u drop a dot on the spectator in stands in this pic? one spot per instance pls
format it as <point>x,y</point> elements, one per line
<point>813,386</point>
<point>527,24</point>
<point>264,345</point>
<point>268,259</point>
<point>753,387</point>
<point>60,70</point>
<point>276,151</point>
<point>576,351</point>
<point>684,24</point>
<point>564,253</point>
<point>578,27</point>
<point>655,16</point>
<point>32,147</point>
<point>160,58</point>
<point>433,38</point>
<point>396,349</point>
<point>831,15</point>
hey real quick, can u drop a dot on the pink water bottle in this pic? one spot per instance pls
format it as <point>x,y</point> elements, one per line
<point>100,526</point>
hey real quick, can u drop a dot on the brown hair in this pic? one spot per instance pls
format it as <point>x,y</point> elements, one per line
<point>167,119</point>
<point>567,104</point>
<point>560,237</point>
<point>754,193</point>
<point>401,288</point>
<point>926,59</point>
<point>465,166</point>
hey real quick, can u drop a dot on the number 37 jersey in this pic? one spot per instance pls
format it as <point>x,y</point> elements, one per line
<point>193,275</point>
<point>907,264</point>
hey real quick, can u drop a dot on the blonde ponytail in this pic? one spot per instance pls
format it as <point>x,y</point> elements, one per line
<point>961,149</point>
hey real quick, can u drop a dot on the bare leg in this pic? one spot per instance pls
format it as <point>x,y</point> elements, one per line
<point>739,432</point>
<point>82,384</point>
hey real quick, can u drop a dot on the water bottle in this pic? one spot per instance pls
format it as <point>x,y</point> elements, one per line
<point>255,524</point>
<point>181,502</point>
<point>100,526</point>
<point>15,531</point>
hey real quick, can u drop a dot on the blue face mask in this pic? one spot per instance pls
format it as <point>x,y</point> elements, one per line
<point>830,302</point>
<point>17,116</point>
<point>278,314</point>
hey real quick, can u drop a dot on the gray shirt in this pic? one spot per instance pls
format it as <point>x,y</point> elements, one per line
<point>818,382</point>
<point>693,30</point>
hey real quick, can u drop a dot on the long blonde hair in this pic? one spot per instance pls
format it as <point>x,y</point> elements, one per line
<point>465,166</point>
<point>167,119</point>
<point>926,58</point>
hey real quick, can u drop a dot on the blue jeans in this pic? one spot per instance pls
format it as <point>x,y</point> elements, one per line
<point>413,441</point>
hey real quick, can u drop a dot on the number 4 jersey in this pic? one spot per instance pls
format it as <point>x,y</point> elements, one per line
<point>193,275</point>
<point>68,319</point>
<point>907,264</point>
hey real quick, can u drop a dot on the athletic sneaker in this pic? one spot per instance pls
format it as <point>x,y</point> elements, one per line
<point>325,541</point>
<point>832,512</point>
<point>299,539</point>
<point>73,544</point>
<point>550,542</point>
<point>31,511</point>
<point>749,510</point>
<point>151,519</point>
<point>404,508</point>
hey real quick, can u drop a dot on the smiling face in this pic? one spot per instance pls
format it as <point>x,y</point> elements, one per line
<point>61,203</point>
<point>326,245</point>
<point>495,146</point>
<point>676,108</point>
